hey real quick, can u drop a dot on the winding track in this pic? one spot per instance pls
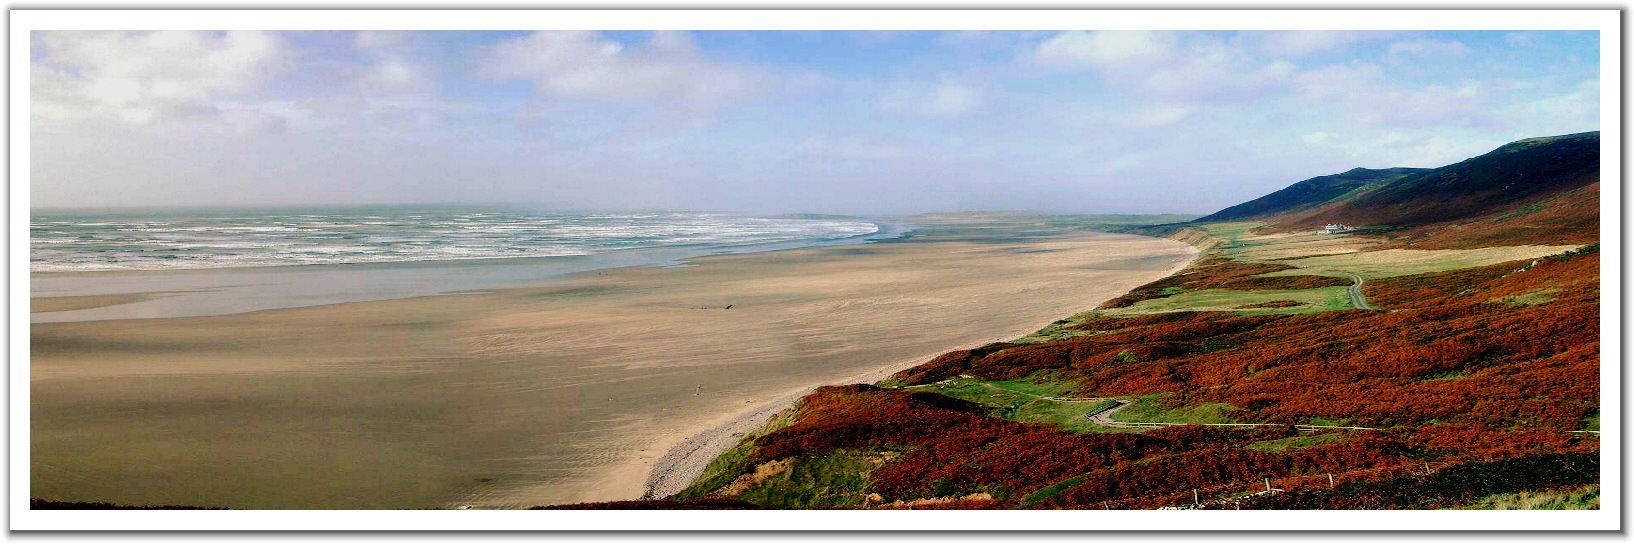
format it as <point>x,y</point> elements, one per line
<point>1104,416</point>
<point>1357,299</point>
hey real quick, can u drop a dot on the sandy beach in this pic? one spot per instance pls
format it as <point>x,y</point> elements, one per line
<point>571,391</point>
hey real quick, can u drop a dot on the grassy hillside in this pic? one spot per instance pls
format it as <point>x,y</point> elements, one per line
<point>1309,193</point>
<point>1470,368</point>
<point>1451,360</point>
<point>1539,190</point>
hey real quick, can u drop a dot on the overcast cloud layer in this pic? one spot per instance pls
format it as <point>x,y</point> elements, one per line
<point>828,122</point>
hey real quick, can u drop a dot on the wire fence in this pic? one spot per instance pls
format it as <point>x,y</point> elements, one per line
<point>1237,493</point>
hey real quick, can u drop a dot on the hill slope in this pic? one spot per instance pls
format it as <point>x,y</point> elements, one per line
<point>1538,190</point>
<point>1258,377</point>
<point>1309,193</point>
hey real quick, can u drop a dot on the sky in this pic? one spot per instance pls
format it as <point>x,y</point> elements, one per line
<point>853,122</point>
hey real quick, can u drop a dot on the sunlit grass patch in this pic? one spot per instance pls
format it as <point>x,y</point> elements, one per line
<point>1150,409</point>
<point>1580,498</point>
<point>1321,299</point>
<point>1035,386</point>
<point>1020,401</point>
<point>735,461</point>
<point>1059,330</point>
<point>1445,376</point>
<point>1530,298</point>
<point>1278,247</point>
<point>833,480</point>
<point>1295,442</point>
<point>1405,262</point>
<point>1230,231</point>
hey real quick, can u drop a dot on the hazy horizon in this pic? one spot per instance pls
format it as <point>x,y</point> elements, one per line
<point>767,122</point>
<point>532,208</point>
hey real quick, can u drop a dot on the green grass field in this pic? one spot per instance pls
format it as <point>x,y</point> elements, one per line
<point>1580,498</point>
<point>1018,400</point>
<point>1406,262</point>
<point>1296,442</point>
<point>1150,409</point>
<point>1321,299</point>
<point>836,479</point>
<point>728,465</point>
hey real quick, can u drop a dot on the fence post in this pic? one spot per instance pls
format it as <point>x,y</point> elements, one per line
<point>1330,480</point>
<point>1426,468</point>
<point>1194,500</point>
<point>1267,485</point>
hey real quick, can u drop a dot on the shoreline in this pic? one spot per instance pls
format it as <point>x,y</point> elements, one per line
<point>562,392</point>
<point>206,292</point>
<point>684,462</point>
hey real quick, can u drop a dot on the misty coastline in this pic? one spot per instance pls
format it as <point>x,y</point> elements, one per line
<point>194,292</point>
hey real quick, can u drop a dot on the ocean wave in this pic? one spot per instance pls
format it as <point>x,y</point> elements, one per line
<point>172,241</point>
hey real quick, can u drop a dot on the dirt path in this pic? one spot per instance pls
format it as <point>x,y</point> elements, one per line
<point>1357,299</point>
<point>1103,417</point>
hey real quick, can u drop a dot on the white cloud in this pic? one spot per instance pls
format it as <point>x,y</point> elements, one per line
<point>948,97</point>
<point>853,148</point>
<point>1574,111</point>
<point>1522,39</point>
<point>1217,74</point>
<point>1409,147</point>
<point>1159,116</point>
<point>383,40</point>
<point>587,65</point>
<point>1338,80</point>
<point>1198,71</point>
<point>951,98</point>
<point>952,37</point>
<point>1426,48</point>
<point>871,38</point>
<point>1105,49</point>
<point>1126,163</point>
<point>1300,43</point>
<point>1317,138</point>
<point>144,77</point>
<point>1363,95</point>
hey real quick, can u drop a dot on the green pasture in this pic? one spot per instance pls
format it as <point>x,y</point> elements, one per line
<point>1321,299</point>
<point>1019,400</point>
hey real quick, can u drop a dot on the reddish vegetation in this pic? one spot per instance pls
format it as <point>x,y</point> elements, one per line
<point>949,448</point>
<point>1217,273</point>
<point>698,504</point>
<point>1463,367</point>
<point>1279,283</point>
<point>1394,368</point>
<point>1453,374</point>
<point>1443,488</point>
<point>1569,217</point>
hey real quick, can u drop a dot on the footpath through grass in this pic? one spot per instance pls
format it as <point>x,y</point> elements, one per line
<point>1311,253</point>
<point>1025,401</point>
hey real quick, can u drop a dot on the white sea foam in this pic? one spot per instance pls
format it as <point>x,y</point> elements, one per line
<point>165,241</point>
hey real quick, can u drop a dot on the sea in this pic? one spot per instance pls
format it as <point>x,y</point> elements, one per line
<point>215,262</point>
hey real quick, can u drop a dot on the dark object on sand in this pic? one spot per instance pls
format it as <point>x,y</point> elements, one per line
<point>41,504</point>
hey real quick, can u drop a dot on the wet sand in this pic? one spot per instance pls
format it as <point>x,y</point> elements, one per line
<point>566,392</point>
<point>83,302</point>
